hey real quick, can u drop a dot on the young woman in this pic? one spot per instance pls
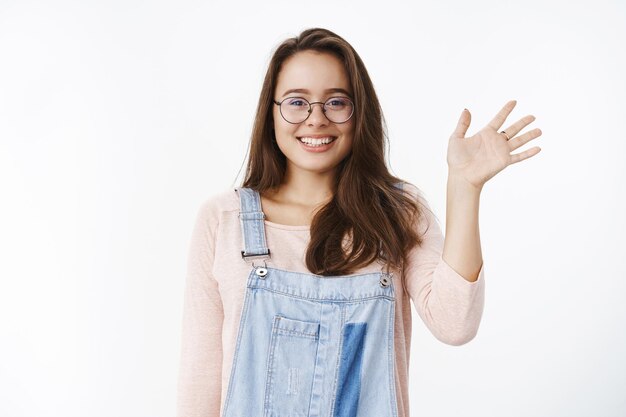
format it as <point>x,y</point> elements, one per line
<point>299,281</point>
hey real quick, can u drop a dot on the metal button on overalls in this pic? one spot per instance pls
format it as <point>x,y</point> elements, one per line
<point>310,345</point>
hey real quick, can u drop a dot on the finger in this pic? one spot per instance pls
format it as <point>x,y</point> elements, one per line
<point>516,127</point>
<point>499,119</point>
<point>518,157</point>
<point>463,124</point>
<point>524,139</point>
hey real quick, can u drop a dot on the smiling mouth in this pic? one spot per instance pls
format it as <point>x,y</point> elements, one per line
<point>316,142</point>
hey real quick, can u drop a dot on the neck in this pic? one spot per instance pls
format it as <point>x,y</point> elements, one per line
<point>307,188</point>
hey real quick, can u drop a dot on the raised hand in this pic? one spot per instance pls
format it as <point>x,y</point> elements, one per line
<point>478,158</point>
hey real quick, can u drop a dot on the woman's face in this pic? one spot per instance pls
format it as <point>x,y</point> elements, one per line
<point>316,74</point>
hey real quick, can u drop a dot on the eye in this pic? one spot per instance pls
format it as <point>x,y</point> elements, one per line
<point>296,102</point>
<point>337,102</point>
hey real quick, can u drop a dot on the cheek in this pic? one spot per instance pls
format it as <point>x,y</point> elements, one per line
<point>283,132</point>
<point>347,131</point>
<point>280,125</point>
<point>347,140</point>
<point>348,127</point>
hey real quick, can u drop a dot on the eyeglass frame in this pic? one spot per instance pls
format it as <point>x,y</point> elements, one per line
<point>310,111</point>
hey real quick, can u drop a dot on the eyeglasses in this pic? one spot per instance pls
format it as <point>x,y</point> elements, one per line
<point>297,109</point>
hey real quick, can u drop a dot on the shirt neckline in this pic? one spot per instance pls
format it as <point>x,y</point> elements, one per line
<point>286,226</point>
<point>278,225</point>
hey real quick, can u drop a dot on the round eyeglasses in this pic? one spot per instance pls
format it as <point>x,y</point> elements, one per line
<point>297,109</point>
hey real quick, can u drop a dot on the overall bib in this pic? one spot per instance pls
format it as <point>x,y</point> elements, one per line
<point>310,345</point>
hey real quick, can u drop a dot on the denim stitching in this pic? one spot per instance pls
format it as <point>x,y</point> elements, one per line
<point>270,371</point>
<point>296,333</point>
<point>343,317</point>
<point>242,321</point>
<point>390,363</point>
<point>351,301</point>
<point>293,381</point>
<point>252,227</point>
<point>260,225</point>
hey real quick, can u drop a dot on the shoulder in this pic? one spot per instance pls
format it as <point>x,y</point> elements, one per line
<point>428,216</point>
<point>410,188</point>
<point>415,193</point>
<point>216,204</point>
<point>221,200</point>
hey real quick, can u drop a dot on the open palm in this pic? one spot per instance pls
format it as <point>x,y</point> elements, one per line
<point>477,158</point>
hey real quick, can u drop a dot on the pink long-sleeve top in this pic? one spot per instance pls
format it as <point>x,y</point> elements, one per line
<point>450,306</point>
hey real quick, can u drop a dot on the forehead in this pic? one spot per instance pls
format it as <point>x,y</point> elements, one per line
<point>312,71</point>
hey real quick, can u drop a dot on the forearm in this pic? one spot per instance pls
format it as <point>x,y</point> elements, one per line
<point>461,248</point>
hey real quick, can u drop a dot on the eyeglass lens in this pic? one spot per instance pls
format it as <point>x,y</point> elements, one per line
<point>296,109</point>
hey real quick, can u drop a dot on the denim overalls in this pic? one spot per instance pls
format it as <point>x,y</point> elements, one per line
<point>310,345</point>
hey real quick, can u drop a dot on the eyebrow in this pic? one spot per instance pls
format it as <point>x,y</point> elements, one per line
<point>305,91</point>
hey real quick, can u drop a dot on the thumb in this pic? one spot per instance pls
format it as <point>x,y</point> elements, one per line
<point>463,124</point>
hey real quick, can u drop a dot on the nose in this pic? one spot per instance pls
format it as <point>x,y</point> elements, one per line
<point>317,117</point>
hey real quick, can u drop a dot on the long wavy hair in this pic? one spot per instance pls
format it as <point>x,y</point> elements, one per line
<point>374,216</point>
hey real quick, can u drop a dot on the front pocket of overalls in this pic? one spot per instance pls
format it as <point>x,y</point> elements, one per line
<point>290,367</point>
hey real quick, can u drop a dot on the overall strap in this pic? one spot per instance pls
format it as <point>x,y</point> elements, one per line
<point>252,227</point>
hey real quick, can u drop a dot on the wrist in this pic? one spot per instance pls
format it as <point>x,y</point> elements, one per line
<point>459,183</point>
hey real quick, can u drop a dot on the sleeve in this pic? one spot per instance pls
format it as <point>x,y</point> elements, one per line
<point>450,306</point>
<point>200,366</point>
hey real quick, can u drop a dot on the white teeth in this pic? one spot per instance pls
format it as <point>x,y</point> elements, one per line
<point>316,141</point>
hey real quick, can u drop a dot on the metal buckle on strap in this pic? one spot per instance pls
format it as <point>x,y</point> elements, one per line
<point>262,255</point>
<point>252,215</point>
<point>252,258</point>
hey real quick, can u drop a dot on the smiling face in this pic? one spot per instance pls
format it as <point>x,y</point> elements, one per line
<point>316,74</point>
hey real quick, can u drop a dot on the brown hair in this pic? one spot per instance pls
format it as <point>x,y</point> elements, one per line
<point>366,205</point>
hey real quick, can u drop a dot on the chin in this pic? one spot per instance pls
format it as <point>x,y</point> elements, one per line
<point>316,168</point>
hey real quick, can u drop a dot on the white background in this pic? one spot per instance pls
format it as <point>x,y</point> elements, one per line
<point>119,118</point>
